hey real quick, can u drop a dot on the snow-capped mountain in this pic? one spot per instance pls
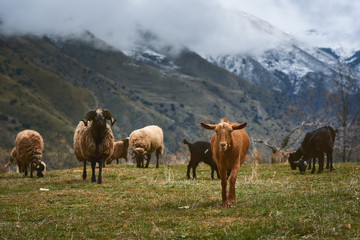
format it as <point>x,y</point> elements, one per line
<point>288,68</point>
<point>354,61</point>
<point>288,65</point>
<point>291,66</point>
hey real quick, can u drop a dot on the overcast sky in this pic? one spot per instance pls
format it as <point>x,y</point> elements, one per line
<point>205,26</point>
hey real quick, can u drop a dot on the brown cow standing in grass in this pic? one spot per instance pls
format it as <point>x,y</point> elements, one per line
<point>229,145</point>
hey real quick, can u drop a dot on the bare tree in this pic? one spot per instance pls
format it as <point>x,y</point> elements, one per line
<point>281,153</point>
<point>345,105</point>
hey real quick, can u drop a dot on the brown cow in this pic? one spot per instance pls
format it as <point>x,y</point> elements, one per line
<point>229,145</point>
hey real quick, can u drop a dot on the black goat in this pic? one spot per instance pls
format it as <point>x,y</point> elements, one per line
<point>200,152</point>
<point>314,145</point>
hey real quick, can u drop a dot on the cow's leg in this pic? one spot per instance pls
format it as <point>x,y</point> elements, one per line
<point>321,163</point>
<point>26,169</point>
<point>213,169</point>
<point>31,170</point>
<point>223,177</point>
<point>232,182</point>
<point>142,162</point>
<point>138,163</point>
<point>189,168</point>
<point>313,169</point>
<point>327,161</point>
<point>194,169</point>
<point>309,167</point>
<point>157,158</point>
<point>93,165</point>
<point>100,171</point>
<point>148,156</point>
<point>330,159</point>
<point>217,173</point>
<point>84,171</point>
<point>117,161</point>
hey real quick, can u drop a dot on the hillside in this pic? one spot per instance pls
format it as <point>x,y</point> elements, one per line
<point>273,202</point>
<point>48,84</point>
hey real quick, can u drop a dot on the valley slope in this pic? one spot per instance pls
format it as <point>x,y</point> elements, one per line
<point>48,85</point>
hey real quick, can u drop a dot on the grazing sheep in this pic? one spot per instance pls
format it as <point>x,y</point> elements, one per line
<point>94,140</point>
<point>145,141</point>
<point>121,150</point>
<point>200,152</point>
<point>28,151</point>
<point>229,145</point>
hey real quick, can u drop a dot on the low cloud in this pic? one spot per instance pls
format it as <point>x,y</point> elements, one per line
<point>209,27</point>
<point>201,25</point>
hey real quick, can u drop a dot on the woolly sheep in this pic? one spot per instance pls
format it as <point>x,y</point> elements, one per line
<point>121,150</point>
<point>94,140</point>
<point>28,149</point>
<point>145,141</point>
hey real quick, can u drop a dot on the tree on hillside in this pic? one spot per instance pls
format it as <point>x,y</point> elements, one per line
<point>345,106</point>
<point>281,154</point>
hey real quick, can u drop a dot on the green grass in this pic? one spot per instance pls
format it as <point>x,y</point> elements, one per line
<point>272,202</point>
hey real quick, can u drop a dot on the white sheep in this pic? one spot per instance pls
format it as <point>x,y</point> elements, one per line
<point>94,140</point>
<point>145,141</point>
<point>28,149</point>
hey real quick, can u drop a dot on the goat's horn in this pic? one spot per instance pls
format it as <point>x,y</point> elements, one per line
<point>108,115</point>
<point>88,117</point>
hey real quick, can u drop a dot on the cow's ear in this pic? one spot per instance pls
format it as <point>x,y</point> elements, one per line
<point>239,126</point>
<point>208,126</point>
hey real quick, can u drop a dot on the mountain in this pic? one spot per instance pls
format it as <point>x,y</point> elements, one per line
<point>354,61</point>
<point>49,83</point>
<point>290,66</point>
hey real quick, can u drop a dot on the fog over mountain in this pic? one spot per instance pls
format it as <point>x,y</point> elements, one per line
<point>209,27</point>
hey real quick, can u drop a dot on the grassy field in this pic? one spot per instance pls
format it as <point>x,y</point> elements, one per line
<point>273,202</point>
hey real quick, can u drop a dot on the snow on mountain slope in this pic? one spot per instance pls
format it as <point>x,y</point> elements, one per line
<point>288,66</point>
<point>354,61</point>
<point>152,57</point>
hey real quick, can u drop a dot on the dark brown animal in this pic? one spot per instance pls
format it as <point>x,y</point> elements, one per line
<point>229,145</point>
<point>314,145</point>
<point>200,152</point>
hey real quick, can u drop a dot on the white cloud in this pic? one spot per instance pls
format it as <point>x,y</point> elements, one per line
<point>335,22</point>
<point>206,26</point>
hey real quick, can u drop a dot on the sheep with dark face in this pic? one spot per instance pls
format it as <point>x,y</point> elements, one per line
<point>28,149</point>
<point>145,141</point>
<point>94,140</point>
